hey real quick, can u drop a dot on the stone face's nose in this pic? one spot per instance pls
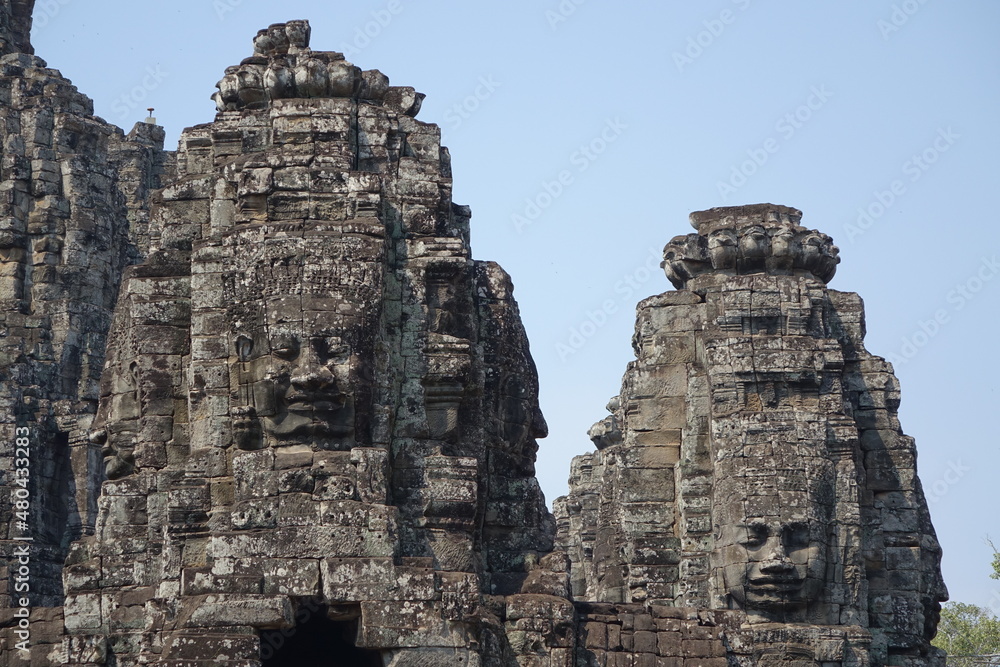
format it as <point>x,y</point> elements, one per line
<point>775,556</point>
<point>313,379</point>
<point>310,374</point>
<point>777,563</point>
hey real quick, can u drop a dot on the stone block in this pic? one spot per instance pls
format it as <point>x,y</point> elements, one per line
<point>263,612</point>
<point>408,625</point>
<point>291,576</point>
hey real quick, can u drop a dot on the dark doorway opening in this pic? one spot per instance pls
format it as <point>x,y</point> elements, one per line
<point>316,640</point>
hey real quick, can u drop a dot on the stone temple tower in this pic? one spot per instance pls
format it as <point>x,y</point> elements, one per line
<point>318,413</point>
<point>754,462</point>
<point>74,194</point>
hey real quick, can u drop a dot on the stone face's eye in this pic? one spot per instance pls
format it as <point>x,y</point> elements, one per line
<point>332,349</point>
<point>338,351</point>
<point>756,536</point>
<point>796,536</point>
<point>244,347</point>
<point>286,347</point>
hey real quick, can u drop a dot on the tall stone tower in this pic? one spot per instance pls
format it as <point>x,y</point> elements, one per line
<point>754,462</point>
<point>73,196</point>
<point>318,412</point>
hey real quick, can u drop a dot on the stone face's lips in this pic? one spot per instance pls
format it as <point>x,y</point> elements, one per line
<point>309,406</point>
<point>776,584</point>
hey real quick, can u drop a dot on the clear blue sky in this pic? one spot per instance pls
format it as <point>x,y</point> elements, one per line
<point>881,105</point>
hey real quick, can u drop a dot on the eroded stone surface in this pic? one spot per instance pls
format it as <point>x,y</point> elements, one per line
<point>71,186</point>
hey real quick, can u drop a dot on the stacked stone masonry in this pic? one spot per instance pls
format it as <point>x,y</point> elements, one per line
<point>279,415</point>
<point>754,460</point>
<point>72,191</point>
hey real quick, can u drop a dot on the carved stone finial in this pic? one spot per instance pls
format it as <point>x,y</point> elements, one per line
<point>284,67</point>
<point>740,240</point>
<point>298,33</point>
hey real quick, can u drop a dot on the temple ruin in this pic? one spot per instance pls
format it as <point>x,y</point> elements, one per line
<point>277,414</point>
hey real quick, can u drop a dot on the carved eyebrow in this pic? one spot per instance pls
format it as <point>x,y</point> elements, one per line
<point>751,530</point>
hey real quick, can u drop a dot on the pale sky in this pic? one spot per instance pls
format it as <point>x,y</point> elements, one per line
<point>583,133</point>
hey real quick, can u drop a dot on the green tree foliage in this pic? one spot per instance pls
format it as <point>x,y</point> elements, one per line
<point>971,634</point>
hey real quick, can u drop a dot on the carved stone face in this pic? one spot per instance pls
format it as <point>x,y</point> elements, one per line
<point>754,243</point>
<point>936,591</point>
<point>303,344</point>
<point>521,413</point>
<point>773,563</point>
<point>772,539</point>
<point>279,38</point>
<point>116,425</point>
<point>263,43</point>
<point>298,33</point>
<point>300,388</point>
<point>722,248</point>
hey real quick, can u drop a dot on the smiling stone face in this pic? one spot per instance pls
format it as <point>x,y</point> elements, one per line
<point>774,564</point>
<point>298,387</point>
<point>309,377</point>
<point>773,533</point>
<point>300,321</point>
